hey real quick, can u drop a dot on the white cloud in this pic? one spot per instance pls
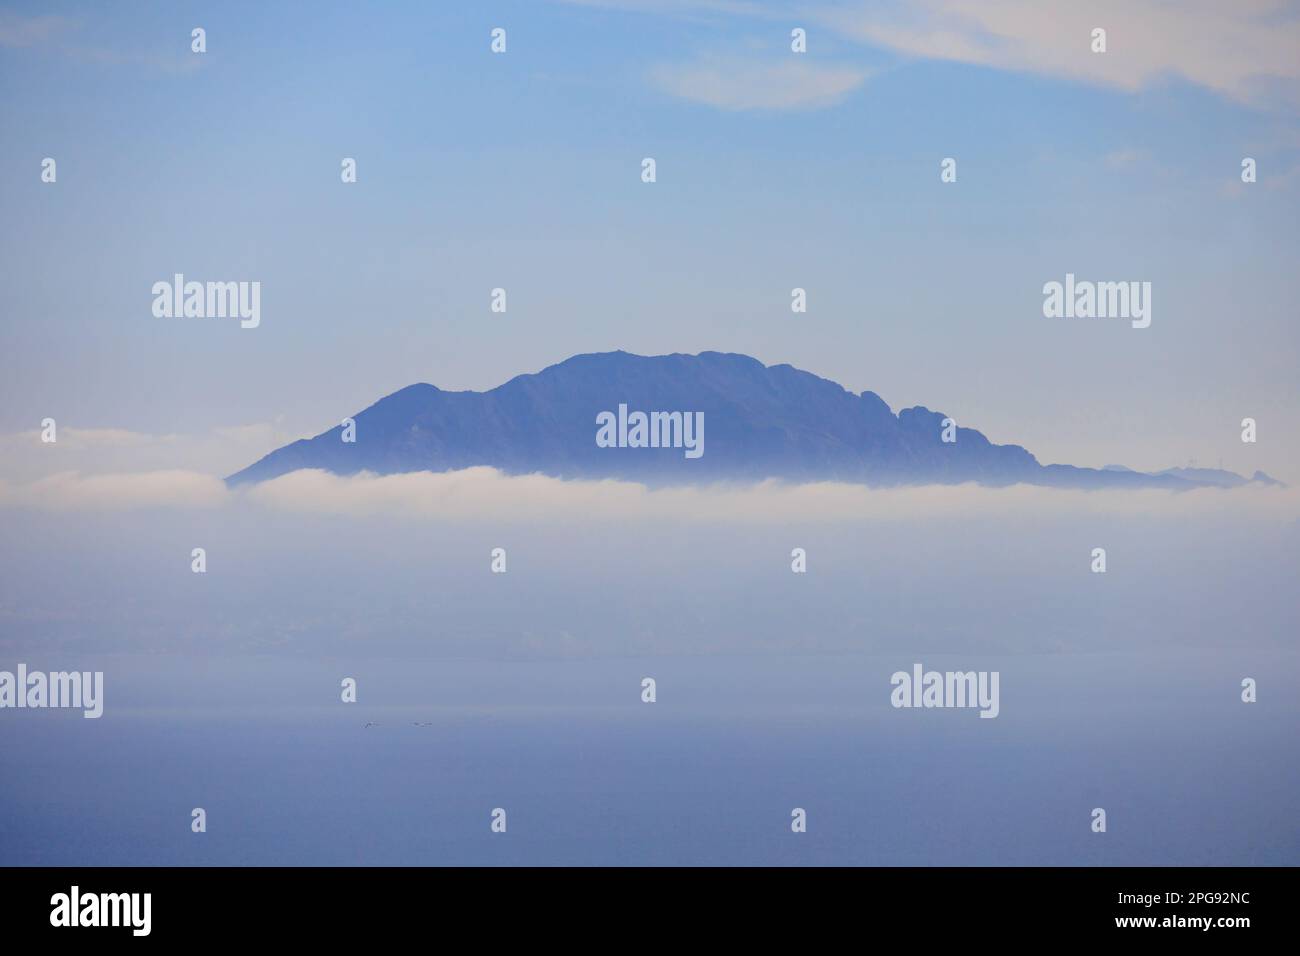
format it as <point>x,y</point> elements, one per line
<point>485,494</point>
<point>678,7</point>
<point>737,84</point>
<point>20,31</point>
<point>1243,50</point>
<point>50,32</point>
<point>24,457</point>
<point>80,438</point>
<point>1121,158</point>
<point>70,491</point>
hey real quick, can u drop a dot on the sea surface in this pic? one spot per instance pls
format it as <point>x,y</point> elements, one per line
<point>708,774</point>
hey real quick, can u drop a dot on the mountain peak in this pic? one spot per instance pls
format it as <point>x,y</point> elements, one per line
<point>762,421</point>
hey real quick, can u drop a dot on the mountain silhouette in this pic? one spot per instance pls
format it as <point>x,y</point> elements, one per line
<point>759,422</point>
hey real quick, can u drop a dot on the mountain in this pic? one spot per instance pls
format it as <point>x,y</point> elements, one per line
<point>1217,477</point>
<point>759,422</point>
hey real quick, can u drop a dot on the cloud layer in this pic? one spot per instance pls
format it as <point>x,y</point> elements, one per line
<point>1242,50</point>
<point>1245,50</point>
<point>481,494</point>
<point>24,457</point>
<point>738,84</point>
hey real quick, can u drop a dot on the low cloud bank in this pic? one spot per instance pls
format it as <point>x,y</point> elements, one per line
<point>72,491</point>
<point>24,457</point>
<point>485,493</point>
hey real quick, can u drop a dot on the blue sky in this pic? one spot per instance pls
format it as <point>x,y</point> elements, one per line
<point>774,171</point>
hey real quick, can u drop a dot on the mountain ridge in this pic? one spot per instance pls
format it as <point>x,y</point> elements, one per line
<point>757,422</point>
